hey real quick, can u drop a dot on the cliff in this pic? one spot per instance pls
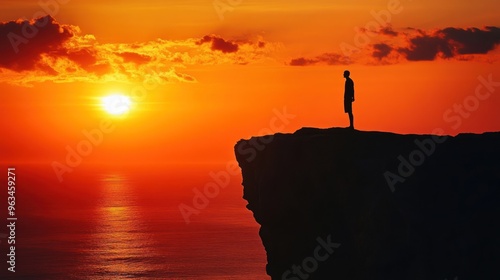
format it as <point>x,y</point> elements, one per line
<point>343,204</point>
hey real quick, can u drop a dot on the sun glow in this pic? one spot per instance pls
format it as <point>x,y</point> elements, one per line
<point>116,104</point>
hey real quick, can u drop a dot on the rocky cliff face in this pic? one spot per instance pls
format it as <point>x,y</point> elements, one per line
<point>342,204</point>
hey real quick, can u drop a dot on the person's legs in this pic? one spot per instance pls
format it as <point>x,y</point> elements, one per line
<point>348,110</point>
<point>351,119</point>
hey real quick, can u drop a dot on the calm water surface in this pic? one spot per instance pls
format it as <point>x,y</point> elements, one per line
<point>121,223</point>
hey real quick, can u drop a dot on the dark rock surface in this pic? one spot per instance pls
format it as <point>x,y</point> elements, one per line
<point>342,204</point>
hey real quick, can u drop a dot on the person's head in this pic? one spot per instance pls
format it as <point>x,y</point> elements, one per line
<point>347,73</point>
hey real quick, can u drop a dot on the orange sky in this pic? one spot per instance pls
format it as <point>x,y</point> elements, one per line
<point>207,78</point>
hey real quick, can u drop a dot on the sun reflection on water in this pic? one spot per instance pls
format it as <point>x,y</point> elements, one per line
<point>122,248</point>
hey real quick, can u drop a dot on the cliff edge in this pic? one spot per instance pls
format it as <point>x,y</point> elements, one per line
<point>343,204</point>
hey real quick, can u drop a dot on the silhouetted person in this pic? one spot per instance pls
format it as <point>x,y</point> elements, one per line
<point>349,97</point>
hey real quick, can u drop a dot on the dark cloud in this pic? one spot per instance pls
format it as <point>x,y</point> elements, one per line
<point>451,42</point>
<point>301,61</point>
<point>472,40</point>
<point>411,44</point>
<point>333,59</point>
<point>219,44</point>
<point>325,58</point>
<point>24,42</point>
<point>388,31</point>
<point>426,48</point>
<point>381,50</point>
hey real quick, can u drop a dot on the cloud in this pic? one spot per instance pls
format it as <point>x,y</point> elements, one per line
<point>219,44</point>
<point>25,41</point>
<point>42,50</point>
<point>381,50</point>
<point>388,31</point>
<point>301,61</point>
<point>389,46</point>
<point>472,40</point>
<point>134,57</point>
<point>426,48</point>
<point>451,43</point>
<point>325,58</point>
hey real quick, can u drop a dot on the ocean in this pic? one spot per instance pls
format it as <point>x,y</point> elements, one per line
<point>109,222</point>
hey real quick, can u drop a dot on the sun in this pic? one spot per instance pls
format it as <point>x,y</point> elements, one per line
<point>116,104</point>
